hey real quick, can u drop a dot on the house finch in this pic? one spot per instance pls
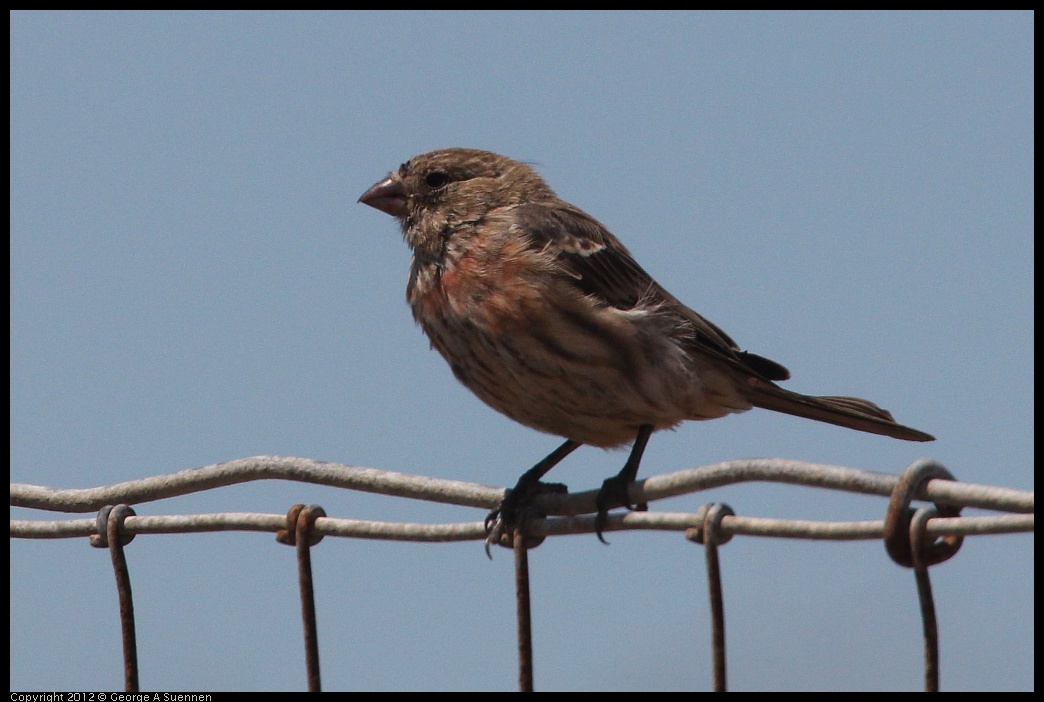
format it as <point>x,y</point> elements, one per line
<point>543,313</point>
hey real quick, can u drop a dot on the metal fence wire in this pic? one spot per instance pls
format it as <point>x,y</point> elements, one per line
<point>913,538</point>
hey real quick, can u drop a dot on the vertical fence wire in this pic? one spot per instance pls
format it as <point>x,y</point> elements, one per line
<point>906,538</point>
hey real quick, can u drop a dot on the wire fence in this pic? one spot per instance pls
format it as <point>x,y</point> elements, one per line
<point>913,538</point>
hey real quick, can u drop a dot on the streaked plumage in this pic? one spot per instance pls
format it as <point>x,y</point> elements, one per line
<point>546,316</point>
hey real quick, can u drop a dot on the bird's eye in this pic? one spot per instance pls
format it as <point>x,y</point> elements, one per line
<point>436,179</point>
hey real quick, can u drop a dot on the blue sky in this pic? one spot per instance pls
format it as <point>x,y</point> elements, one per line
<point>192,281</point>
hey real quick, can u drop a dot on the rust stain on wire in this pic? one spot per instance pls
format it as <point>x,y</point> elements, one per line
<point>897,520</point>
<point>710,534</point>
<point>110,534</point>
<point>525,629</point>
<point>920,548</point>
<point>908,544</point>
<point>915,540</point>
<point>300,520</point>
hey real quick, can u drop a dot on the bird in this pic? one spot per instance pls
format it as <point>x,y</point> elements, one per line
<point>546,316</point>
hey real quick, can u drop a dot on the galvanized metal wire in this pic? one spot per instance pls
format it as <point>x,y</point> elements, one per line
<point>914,539</point>
<point>243,470</point>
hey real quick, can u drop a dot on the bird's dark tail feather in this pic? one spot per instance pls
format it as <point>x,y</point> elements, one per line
<point>850,412</point>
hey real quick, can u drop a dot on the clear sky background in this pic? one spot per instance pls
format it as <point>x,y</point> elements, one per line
<point>192,281</point>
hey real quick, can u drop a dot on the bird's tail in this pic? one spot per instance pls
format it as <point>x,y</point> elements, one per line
<point>850,412</point>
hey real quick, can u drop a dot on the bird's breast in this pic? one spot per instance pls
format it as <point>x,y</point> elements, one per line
<point>494,287</point>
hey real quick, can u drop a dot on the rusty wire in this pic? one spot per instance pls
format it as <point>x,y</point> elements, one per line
<point>920,546</point>
<point>457,492</point>
<point>913,539</point>
<point>110,534</point>
<point>710,535</point>
<point>900,514</point>
<point>908,544</point>
<point>299,532</point>
<point>525,626</point>
<point>572,506</point>
<point>552,526</point>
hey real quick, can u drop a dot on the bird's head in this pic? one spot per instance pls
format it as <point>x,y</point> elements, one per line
<point>440,189</point>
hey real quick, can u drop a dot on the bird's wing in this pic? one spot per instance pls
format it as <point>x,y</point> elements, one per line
<point>603,268</point>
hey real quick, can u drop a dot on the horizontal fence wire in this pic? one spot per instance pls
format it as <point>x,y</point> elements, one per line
<point>568,514</point>
<point>553,526</point>
<point>914,539</point>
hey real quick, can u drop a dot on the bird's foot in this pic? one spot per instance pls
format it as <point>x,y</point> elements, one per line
<point>614,494</point>
<point>516,508</point>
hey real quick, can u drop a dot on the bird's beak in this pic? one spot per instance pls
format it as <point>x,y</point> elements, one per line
<point>387,196</point>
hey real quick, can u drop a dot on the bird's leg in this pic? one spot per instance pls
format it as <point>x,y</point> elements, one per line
<point>614,489</point>
<point>506,515</point>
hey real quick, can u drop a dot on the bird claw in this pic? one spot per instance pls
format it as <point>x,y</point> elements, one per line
<point>494,532</point>
<point>515,509</point>
<point>613,494</point>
